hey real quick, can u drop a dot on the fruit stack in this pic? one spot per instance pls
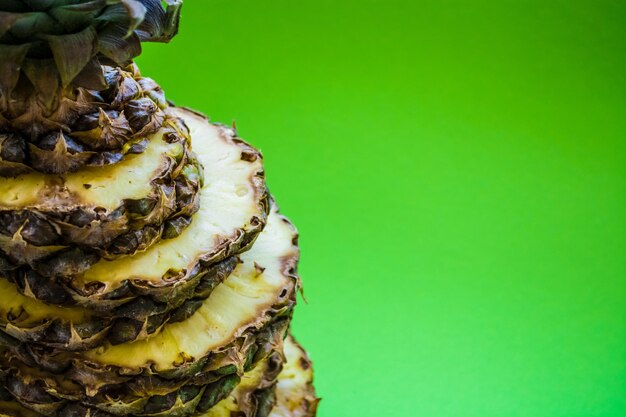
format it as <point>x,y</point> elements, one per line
<point>144,268</point>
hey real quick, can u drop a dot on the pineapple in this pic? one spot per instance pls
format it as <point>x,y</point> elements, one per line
<point>295,395</point>
<point>288,386</point>
<point>71,98</point>
<point>242,322</point>
<point>270,389</point>
<point>144,268</point>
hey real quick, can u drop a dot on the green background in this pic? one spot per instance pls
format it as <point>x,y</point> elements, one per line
<point>457,170</point>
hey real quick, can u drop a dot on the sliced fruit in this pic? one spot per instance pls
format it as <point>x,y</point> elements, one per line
<point>295,394</point>
<point>256,389</point>
<point>233,210</point>
<point>242,322</point>
<point>76,328</point>
<point>250,391</point>
<point>292,396</point>
<point>190,400</point>
<point>110,209</point>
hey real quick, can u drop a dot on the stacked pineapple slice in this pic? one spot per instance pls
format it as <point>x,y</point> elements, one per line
<point>144,268</point>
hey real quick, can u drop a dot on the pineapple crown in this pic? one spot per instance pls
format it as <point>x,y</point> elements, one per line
<point>54,44</point>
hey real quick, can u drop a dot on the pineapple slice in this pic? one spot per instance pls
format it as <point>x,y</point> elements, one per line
<point>295,394</point>
<point>233,207</point>
<point>254,393</point>
<point>79,328</point>
<point>241,323</point>
<point>114,210</point>
<point>292,396</point>
<point>260,391</point>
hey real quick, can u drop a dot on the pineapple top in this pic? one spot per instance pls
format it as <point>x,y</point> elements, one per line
<point>48,45</point>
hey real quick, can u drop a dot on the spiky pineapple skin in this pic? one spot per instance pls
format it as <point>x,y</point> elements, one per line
<point>281,386</point>
<point>219,370</point>
<point>71,101</point>
<point>95,385</point>
<point>92,288</point>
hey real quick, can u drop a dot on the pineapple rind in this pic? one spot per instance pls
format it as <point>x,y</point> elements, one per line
<point>108,211</point>
<point>291,392</point>
<point>252,389</point>
<point>100,127</point>
<point>242,322</point>
<point>61,110</point>
<point>233,210</point>
<point>295,394</point>
<point>77,328</point>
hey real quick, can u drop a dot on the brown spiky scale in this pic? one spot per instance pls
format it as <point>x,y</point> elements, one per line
<point>111,131</point>
<point>108,124</point>
<point>57,153</point>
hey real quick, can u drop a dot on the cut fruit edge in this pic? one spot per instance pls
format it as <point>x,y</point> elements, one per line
<point>294,394</point>
<point>244,320</point>
<point>76,328</point>
<point>234,203</point>
<point>87,207</point>
<point>69,249</point>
